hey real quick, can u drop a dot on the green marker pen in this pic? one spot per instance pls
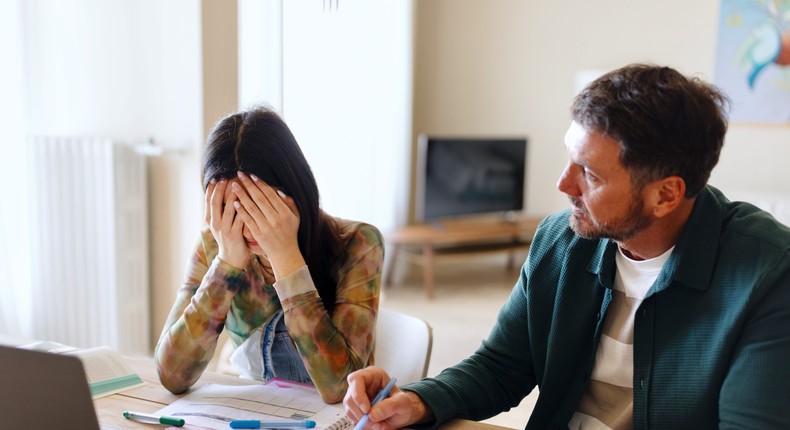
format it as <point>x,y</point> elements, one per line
<point>148,418</point>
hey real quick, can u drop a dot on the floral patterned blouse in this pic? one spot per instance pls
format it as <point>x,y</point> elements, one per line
<point>216,295</point>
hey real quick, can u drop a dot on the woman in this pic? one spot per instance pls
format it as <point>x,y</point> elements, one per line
<point>296,289</point>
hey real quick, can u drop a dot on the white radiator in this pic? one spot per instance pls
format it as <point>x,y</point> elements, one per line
<point>89,243</point>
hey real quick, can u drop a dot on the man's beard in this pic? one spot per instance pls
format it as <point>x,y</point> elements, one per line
<point>634,221</point>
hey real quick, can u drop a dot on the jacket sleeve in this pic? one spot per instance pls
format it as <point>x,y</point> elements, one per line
<point>496,377</point>
<point>332,347</point>
<point>196,319</point>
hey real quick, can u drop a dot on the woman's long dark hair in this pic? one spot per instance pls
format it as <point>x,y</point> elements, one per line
<point>259,142</point>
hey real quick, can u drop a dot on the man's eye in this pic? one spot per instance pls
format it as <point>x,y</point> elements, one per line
<point>588,175</point>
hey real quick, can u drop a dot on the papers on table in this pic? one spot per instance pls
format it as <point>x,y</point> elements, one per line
<point>214,406</point>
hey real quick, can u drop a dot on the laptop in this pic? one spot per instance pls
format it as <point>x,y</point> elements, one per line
<point>44,390</point>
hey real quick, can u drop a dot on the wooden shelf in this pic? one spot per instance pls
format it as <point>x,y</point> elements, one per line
<point>421,243</point>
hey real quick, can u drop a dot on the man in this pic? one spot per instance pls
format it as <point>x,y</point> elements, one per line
<point>653,302</point>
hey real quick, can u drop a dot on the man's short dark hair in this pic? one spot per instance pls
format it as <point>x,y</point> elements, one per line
<point>666,124</point>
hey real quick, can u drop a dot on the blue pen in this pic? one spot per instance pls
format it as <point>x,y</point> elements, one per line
<point>256,424</point>
<point>379,397</point>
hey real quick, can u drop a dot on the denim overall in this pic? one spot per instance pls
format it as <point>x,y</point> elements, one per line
<point>270,353</point>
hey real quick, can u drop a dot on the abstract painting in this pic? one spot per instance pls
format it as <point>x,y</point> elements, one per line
<point>753,59</point>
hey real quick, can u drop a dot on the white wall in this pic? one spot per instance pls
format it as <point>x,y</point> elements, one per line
<point>508,66</point>
<point>15,308</point>
<point>130,71</point>
<point>121,69</point>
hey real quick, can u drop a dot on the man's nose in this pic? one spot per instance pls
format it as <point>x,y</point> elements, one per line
<point>566,182</point>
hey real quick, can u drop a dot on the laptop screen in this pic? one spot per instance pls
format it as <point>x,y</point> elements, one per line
<point>44,390</point>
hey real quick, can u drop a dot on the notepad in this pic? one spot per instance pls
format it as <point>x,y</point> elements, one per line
<point>107,372</point>
<point>213,406</point>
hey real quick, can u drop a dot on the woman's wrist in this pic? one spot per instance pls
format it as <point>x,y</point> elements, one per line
<point>283,264</point>
<point>223,276</point>
<point>229,269</point>
<point>236,261</point>
<point>294,284</point>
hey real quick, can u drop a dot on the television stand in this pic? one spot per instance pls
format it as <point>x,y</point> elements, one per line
<point>423,242</point>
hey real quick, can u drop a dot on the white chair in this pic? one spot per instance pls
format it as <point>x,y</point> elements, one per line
<point>403,345</point>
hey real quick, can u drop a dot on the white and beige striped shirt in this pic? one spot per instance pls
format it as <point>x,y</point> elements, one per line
<point>608,402</point>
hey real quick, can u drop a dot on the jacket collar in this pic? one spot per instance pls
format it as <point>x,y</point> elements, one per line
<point>693,260</point>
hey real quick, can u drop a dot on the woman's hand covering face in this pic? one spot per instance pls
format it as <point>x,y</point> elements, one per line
<point>225,225</point>
<point>272,219</point>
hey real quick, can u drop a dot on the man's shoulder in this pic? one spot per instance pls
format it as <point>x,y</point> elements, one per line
<point>750,240</point>
<point>742,221</point>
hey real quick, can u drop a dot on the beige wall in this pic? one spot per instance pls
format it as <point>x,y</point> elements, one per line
<point>176,210</point>
<point>508,67</point>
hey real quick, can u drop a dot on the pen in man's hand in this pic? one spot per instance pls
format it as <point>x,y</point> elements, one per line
<point>255,424</point>
<point>148,418</point>
<point>379,397</point>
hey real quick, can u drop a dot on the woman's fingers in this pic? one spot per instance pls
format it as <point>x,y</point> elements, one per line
<point>228,211</point>
<point>245,217</point>
<point>217,198</point>
<point>225,225</point>
<point>228,214</point>
<point>264,204</point>
<point>256,197</point>
<point>290,202</point>
<point>256,216</point>
<point>263,195</point>
<point>207,204</point>
<point>238,221</point>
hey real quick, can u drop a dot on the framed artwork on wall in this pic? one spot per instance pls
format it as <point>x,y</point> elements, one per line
<point>753,59</point>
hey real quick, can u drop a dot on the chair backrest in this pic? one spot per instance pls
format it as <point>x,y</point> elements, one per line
<point>403,345</point>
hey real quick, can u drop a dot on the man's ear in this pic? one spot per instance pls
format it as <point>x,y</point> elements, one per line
<point>665,195</point>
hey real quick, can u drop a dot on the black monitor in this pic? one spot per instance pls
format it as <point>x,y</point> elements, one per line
<point>458,177</point>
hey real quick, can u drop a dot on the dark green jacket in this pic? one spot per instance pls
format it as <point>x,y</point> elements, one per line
<point>711,339</point>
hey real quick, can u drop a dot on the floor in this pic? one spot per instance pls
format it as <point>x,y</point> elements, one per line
<point>469,292</point>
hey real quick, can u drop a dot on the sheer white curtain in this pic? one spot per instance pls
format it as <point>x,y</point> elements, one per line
<point>347,96</point>
<point>14,251</point>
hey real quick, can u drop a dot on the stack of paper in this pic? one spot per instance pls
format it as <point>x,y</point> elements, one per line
<point>214,406</point>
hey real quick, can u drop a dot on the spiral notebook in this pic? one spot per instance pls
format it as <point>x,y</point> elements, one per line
<point>213,406</point>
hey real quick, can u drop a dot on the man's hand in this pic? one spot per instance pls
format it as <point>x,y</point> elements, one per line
<point>400,409</point>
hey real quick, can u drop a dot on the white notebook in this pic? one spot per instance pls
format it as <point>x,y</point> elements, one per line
<point>214,406</point>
